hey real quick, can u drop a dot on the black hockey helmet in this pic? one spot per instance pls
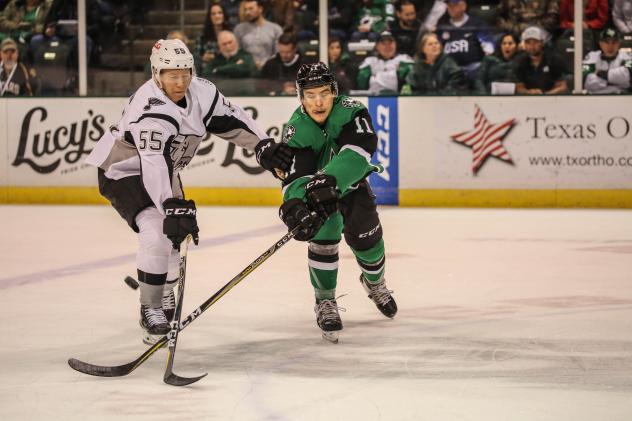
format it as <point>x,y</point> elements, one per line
<point>315,74</point>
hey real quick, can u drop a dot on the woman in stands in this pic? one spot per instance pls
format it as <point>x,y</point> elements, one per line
<point>498,67</point>
<point>339,64</point>
<point>215,22</point>
<point>434,72</point>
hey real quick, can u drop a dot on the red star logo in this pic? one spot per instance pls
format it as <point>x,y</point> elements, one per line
<point>485,139</point>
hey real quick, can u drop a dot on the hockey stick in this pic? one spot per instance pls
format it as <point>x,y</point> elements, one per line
<point>171,377</point>
<point>125,369</point>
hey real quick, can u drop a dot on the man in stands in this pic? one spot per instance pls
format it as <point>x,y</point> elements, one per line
<point>608,70</point>
<point>15,78</point>
<point>386,71</point>
<point>540,71</point>
<point>257,35</point>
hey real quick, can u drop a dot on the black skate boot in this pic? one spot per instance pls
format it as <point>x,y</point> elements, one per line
<point>381,296</point>
<point>154,324</point>
<point>328,319</point>
<point>169,304</point>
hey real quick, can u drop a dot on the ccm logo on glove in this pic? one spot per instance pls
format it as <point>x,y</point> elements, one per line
<point>180,212</point>
<point>316,183</point>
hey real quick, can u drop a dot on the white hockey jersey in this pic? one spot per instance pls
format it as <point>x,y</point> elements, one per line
<point>384,72</point>
<point>618,71</point>
<point>155,138</point>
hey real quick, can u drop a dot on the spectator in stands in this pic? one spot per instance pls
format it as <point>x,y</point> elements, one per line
<point>284,65</point>
<point>434,73</point>
<point>214,23</point>
<point>372,17</point>
<point>305,19</point>
<point>21,19</point>
<point>406,27</point>
<point>61,25</point>
<point>595,14</point>
<point>231,11</point>
<point>467,39</point>
<point>539,71</point>
<point>282,12</point>
<point>340,18</point>
<point>516,15</point>
<point>622,15</point>
<point>15,78</point>
<point>231,61</point>
<point>257,35</point>
<point>429,14</point>
<point>595,18</point>
<point>384,72</point>
<point>608,71</point>
<point>339,64</point>
<point>498,67</point>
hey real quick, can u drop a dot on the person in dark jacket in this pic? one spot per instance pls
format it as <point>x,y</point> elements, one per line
<point>284,65</point>
<point>231,62</point>
<point>215,22</point>
<point>339,64</point>
<point>434,72</point>
<point>498,67</point>
<point>541,70</point>
<point>15,78</point>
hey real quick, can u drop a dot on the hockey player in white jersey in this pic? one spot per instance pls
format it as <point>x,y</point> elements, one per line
<point>139,160</point>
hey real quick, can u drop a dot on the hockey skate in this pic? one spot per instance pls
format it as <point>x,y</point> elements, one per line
<point>169,304</point>
<point>154,324</point>
<point>328,319</point>
<point>381,296</point>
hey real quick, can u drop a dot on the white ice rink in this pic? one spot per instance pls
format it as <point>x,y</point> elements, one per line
<point>503,315</point>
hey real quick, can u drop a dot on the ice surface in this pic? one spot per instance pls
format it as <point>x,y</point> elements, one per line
<point>504,315</point>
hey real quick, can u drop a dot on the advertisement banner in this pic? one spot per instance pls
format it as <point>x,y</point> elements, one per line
<point>47,141</point>
<point>516,143</point>
<point>385,118</point>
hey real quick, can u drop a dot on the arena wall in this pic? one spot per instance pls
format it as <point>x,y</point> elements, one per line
<point>437,151</point>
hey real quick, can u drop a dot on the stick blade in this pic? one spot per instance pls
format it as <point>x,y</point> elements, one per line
<point>175,380</point>
<point>101,371</point>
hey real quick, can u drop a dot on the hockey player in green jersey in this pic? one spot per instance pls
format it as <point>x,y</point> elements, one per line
<point>327,193</point>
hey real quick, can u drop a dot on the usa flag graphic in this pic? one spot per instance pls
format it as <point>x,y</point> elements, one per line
<point>485,139</point>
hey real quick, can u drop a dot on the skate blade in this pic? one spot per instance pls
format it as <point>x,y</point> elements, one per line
<point>331,336</point>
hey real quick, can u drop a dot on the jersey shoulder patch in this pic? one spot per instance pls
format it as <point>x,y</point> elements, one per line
<point>349,102</point>
<point>288,133</point>
<point>152,101</point>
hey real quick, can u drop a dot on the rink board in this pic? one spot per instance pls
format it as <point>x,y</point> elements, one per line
<point>539,152</point>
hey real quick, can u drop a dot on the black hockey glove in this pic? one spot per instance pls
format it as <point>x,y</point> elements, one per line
<point>293,213</point>
<point>603,74</point>
<point>180,221</point>
<point>274,156</point>
<point>322,196</point>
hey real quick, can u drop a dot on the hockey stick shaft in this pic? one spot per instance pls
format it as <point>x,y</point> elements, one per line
<point>125,369</point>
<point>170,377</point>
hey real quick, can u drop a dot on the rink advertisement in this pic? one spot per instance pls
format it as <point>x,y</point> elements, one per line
<point>437,151</point>
<point>520,147</point>
<point>385,122</point>
<point>47,141</point>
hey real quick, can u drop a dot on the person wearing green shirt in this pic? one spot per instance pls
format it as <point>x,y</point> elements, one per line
<point>231,62</point>
<point>326,192</point>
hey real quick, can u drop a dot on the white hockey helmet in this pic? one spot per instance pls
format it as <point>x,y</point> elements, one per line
<point>170,54</point>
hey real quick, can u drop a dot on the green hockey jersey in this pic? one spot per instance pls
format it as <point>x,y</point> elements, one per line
<point>341,147</point>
